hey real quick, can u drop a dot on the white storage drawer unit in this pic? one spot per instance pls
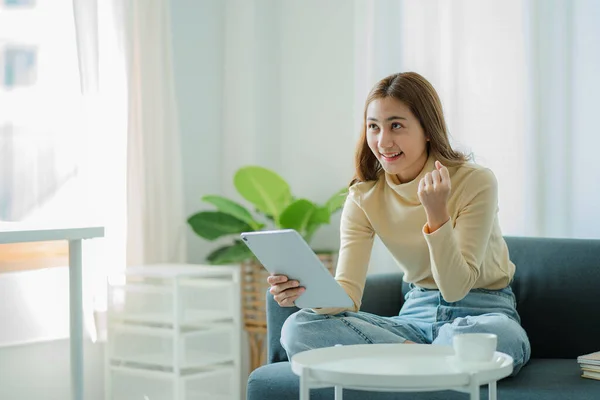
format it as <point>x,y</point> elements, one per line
<point>207,384</point>
<point>174,332</point>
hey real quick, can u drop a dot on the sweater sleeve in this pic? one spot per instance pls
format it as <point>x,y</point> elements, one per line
<point>356,243</point>
<point>457,252</point>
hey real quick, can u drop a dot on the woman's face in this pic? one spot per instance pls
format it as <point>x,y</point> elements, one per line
<point>396,138</point>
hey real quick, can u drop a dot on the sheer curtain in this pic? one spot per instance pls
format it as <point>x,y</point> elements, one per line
<point>99,31</point>
<point>563,54</point>
<point>516,81</point>
<point>133,140</point>
<point>156,221</point>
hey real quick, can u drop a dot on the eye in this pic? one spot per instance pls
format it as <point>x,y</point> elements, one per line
<point>396,125</point>
<point>372,127</point>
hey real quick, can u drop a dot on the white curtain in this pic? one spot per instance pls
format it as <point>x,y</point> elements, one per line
<point>156,221</point>
<point>563,51</point>
<point>102,70</point>
<point>132,158</point>
<point>516,79</point>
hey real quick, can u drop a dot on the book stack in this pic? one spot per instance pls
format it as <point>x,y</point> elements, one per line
<point>590,365</point>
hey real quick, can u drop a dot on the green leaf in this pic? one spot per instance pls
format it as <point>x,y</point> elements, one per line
<point>298,215</point>
<point>320,217</point>
<point>230,254</point>
<point>336,201</point>
<point>268,191</point>
<point>213,224</point>
<point>232,208</point>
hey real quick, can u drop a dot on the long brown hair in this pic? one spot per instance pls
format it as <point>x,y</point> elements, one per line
<point>423,101</point>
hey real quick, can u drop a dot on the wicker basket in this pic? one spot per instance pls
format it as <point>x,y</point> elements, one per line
<point>254,288</point>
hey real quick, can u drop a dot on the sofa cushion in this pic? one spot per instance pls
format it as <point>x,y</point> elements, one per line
<point>556,286</point>
<point>548,379</point>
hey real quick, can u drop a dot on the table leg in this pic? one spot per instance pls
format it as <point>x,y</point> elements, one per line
<point>338,393</point>
<point>492,389</point>
<point>474,391</point>
<point>304,388</point>
<point>76,319</point>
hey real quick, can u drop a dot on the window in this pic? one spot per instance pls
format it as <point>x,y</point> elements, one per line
<point>39,141</point>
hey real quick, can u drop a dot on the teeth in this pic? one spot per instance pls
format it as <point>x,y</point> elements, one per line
<point>391,155</point>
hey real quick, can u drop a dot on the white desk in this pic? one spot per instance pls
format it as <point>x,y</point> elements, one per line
<point>19,233</point>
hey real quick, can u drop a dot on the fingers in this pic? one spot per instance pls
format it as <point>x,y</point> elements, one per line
<point>281,287</point>
<point>275,279</point>
<point>421,187</point>
<point>424,185</point>
<point>443,171</point>
<point>288,297</point>
<point>428,180</point>
<point>284,291</point>
<point>445,174</point>
<point>436,178</point>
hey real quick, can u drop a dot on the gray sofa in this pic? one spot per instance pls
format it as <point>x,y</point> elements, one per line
<point>557,285</point>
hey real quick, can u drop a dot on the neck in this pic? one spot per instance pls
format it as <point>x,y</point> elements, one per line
<point>414,170</point>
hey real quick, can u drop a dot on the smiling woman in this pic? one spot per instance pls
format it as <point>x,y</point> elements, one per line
<point>437,215</point>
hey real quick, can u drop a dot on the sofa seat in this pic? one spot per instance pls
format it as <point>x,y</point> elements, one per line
<point>543,379</point>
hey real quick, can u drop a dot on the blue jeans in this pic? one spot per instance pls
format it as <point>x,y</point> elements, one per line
<point>425,317</point>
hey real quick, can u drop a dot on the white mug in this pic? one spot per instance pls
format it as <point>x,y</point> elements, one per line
<point>475,347</point>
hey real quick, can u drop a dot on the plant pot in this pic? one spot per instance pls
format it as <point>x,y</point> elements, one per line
<point>253,291</point>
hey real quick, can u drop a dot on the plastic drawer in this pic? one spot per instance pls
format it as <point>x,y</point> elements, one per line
<point>140,385</point>
<point>217,384</point>
<point>207,384</point>
<point>154,347</point>
<point>200,301</point>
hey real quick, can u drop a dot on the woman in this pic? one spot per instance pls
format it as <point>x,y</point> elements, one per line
<point>436,212</point>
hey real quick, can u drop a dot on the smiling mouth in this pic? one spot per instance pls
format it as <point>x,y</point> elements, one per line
<point>391,156</point>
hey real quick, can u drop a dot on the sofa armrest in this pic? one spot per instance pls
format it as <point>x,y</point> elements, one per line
<point>383,296</point>
<point>276,316</point>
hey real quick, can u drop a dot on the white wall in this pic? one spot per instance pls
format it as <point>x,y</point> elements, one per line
<point>269,83</point>
<point>198,50</point>
<point>317,132</point>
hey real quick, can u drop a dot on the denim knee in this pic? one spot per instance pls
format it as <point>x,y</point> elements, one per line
<point>299,334</point>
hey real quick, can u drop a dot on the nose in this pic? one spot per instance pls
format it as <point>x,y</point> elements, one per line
<point>385,139</point>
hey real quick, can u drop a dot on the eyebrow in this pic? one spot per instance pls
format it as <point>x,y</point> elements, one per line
<point>389,119</point>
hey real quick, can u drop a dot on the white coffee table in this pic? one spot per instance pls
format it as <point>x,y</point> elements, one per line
<point>396,367</point>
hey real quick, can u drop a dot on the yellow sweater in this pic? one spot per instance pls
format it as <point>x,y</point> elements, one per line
<point>465,253</point>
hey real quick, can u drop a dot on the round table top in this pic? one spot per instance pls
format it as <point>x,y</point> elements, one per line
<point>397,366</point>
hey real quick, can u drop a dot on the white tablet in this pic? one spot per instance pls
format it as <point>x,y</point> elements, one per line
<point>285,252</point>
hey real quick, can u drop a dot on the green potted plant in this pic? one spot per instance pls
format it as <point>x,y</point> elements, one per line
<point>274,207</point>
<point>273,202</point>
